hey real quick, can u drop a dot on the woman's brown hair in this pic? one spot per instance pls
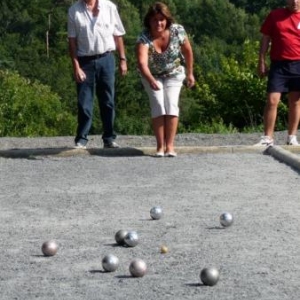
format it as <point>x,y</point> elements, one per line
<point>158,8</point>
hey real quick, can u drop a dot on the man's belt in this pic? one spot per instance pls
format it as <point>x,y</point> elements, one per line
<point>93,57</point>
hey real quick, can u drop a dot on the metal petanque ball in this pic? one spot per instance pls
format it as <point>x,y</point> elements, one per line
<point>137,268</point>
<point>156,212</point>
<point>120,236</point>
<point>226,219</point>
<point>131,239</point>
<point>110,263</point>
<point>49,248</point>
<point>210,276</point>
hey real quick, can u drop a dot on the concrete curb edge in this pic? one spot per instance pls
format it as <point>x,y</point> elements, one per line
<point>147,151</point>
<point>284,156</point>
<point>125,151</point>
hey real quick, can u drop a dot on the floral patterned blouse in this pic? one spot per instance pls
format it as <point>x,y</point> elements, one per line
<point>170,62</point>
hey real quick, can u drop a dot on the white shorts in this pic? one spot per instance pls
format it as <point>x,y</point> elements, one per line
<point>165,101</point>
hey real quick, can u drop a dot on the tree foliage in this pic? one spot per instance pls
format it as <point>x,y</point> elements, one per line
<point>29,108</point>
<point>36,71</point>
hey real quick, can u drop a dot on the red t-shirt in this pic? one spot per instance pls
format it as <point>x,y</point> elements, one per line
<point>283,26</point>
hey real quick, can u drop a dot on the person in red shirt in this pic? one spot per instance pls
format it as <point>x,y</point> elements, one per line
<point>281,32</point>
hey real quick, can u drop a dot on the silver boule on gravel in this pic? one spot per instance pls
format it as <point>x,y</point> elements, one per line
<point>137,268</point>
<point>156,212</point>
<point>209,276</point>
<point>110,263</point>
<point>226,219</point>
<point>49,248</point>
<point>120,236</point>
<point>131,238</point>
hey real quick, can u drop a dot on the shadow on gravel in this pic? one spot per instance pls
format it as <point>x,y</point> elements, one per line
<point>97,271</point>
<point>197,284</point>
<point>40,255</point>
<point>31,153</point>
<point>215,228</point>
<point>115,245</point>
<point>124,277</point>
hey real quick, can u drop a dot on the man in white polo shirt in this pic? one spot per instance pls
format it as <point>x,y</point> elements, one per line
<point>95,31</point>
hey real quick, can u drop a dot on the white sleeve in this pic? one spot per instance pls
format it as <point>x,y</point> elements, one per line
<point>119,28</point>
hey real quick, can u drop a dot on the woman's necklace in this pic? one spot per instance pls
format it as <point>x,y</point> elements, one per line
<point>161,41</point>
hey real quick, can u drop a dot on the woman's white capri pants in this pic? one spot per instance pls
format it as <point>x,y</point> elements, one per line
<point>165,101</point>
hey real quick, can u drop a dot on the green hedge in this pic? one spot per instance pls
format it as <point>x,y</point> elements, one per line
<point>31,109</point>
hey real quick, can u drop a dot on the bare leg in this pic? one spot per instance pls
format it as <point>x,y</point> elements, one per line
<point>294,112</point>
<point>171,124</point>
<point>270,113</point>
<point>158,125</point>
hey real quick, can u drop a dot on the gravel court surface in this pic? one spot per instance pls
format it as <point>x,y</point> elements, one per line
<point>82,201</point>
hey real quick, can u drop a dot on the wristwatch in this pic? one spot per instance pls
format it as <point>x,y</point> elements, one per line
<point>123,58</point>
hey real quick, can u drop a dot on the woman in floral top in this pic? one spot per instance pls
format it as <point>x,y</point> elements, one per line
<point>165,59</point>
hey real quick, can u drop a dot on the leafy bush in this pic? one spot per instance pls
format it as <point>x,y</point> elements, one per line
<point>30,109</point>
<point>240,93</point>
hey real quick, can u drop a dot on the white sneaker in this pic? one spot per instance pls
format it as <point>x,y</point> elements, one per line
<point>111,145</point>
<point>78,145</point>
<point>265,140</point>
<point>292,140</point>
